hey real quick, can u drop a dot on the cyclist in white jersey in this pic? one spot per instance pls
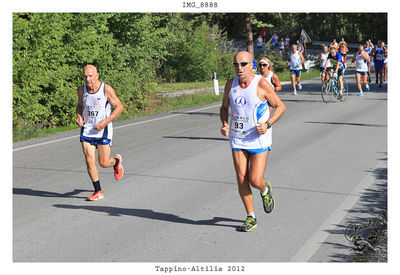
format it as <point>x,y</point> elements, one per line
<point>249,95</point>
<point>323,58</point>
<point>95,118</point>
<point>361,58</point>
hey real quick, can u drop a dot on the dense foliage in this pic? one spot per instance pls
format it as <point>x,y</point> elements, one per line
<point>133,53</point>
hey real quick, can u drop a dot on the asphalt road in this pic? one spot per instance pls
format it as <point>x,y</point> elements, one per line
<point>178,200</point>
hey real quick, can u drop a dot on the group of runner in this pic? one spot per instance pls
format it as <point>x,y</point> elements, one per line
<point>254,104</point>
<point>335,57</point>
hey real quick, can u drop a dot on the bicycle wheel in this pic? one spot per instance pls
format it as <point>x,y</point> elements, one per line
<point>328,92</point>
<point>345,92</point>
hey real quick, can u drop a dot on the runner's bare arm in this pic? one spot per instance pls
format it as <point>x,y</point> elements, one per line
<point>115,102</point>
<point>277,83</point>
<point>302,58</point>
<point>79,108</point>
<point>224,110</point>
<point>366,56</point>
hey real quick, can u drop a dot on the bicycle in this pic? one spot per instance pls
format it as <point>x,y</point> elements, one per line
<point>330,89</point>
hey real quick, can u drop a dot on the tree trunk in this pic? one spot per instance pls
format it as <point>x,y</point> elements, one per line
<point>249,35</point>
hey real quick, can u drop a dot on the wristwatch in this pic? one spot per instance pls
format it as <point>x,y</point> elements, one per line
<point>268,125</point>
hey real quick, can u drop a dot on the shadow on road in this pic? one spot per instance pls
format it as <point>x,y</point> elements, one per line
<point>348,123</point>
<point>196,113</point>
<point>364,223</point>
<point>152,215</point>
<point>39,193</point>
<point>196,138</point>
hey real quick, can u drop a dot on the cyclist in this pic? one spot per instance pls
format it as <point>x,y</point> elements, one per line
<point>338,65</point>
<point>361,58</point>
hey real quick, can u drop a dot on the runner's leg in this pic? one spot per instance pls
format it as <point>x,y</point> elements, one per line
<point>258,163</point>
<point>104,156</point>
<point>358,79</point>
<point>240,161</point>
<point>292,77</point>
<point>89,151</point>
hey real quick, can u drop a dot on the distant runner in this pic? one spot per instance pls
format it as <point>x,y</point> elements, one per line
<point>323,58</point>
<point>295,63</point>
<point>361,58</point>
<point>379,62</point>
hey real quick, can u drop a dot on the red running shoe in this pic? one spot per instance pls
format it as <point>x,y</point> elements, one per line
<point>118,170</point>
<point>96,196</point>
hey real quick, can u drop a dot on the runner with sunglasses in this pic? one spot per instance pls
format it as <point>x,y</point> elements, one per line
<point>249,97</point>
<point>267,71</point>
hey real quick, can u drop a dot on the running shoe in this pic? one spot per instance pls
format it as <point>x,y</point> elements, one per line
<point>248,225</point>
<point>299,86</point>
<point>294,92</point>
<point>268,200</point>
<point>97,195</point>
<point>361,94</point>
<point>118,170</point>
<point>367,87</point>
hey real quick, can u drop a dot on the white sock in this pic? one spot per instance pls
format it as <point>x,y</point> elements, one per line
<point>252,215</point>
<point>266,191</point>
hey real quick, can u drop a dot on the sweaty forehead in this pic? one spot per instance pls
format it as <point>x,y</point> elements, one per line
<point>242,57</point>
<point>90,70</point>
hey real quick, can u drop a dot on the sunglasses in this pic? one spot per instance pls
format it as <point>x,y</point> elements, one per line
<point>242,64</point>
<point>264,65</point>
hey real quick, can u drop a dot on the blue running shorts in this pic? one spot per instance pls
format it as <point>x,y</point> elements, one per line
<point>95,141</point>
<point>253,151</point>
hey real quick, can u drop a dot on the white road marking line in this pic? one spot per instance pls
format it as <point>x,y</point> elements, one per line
<point>305,253</point>
<point>118,127</point>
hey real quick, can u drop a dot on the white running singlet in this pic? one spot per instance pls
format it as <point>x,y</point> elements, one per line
<point>295,61</point>
<point>96,107</point>
<point>324,58</point>
<point>269,78</point>
<point>246,110</point>
<point>361,63</point>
